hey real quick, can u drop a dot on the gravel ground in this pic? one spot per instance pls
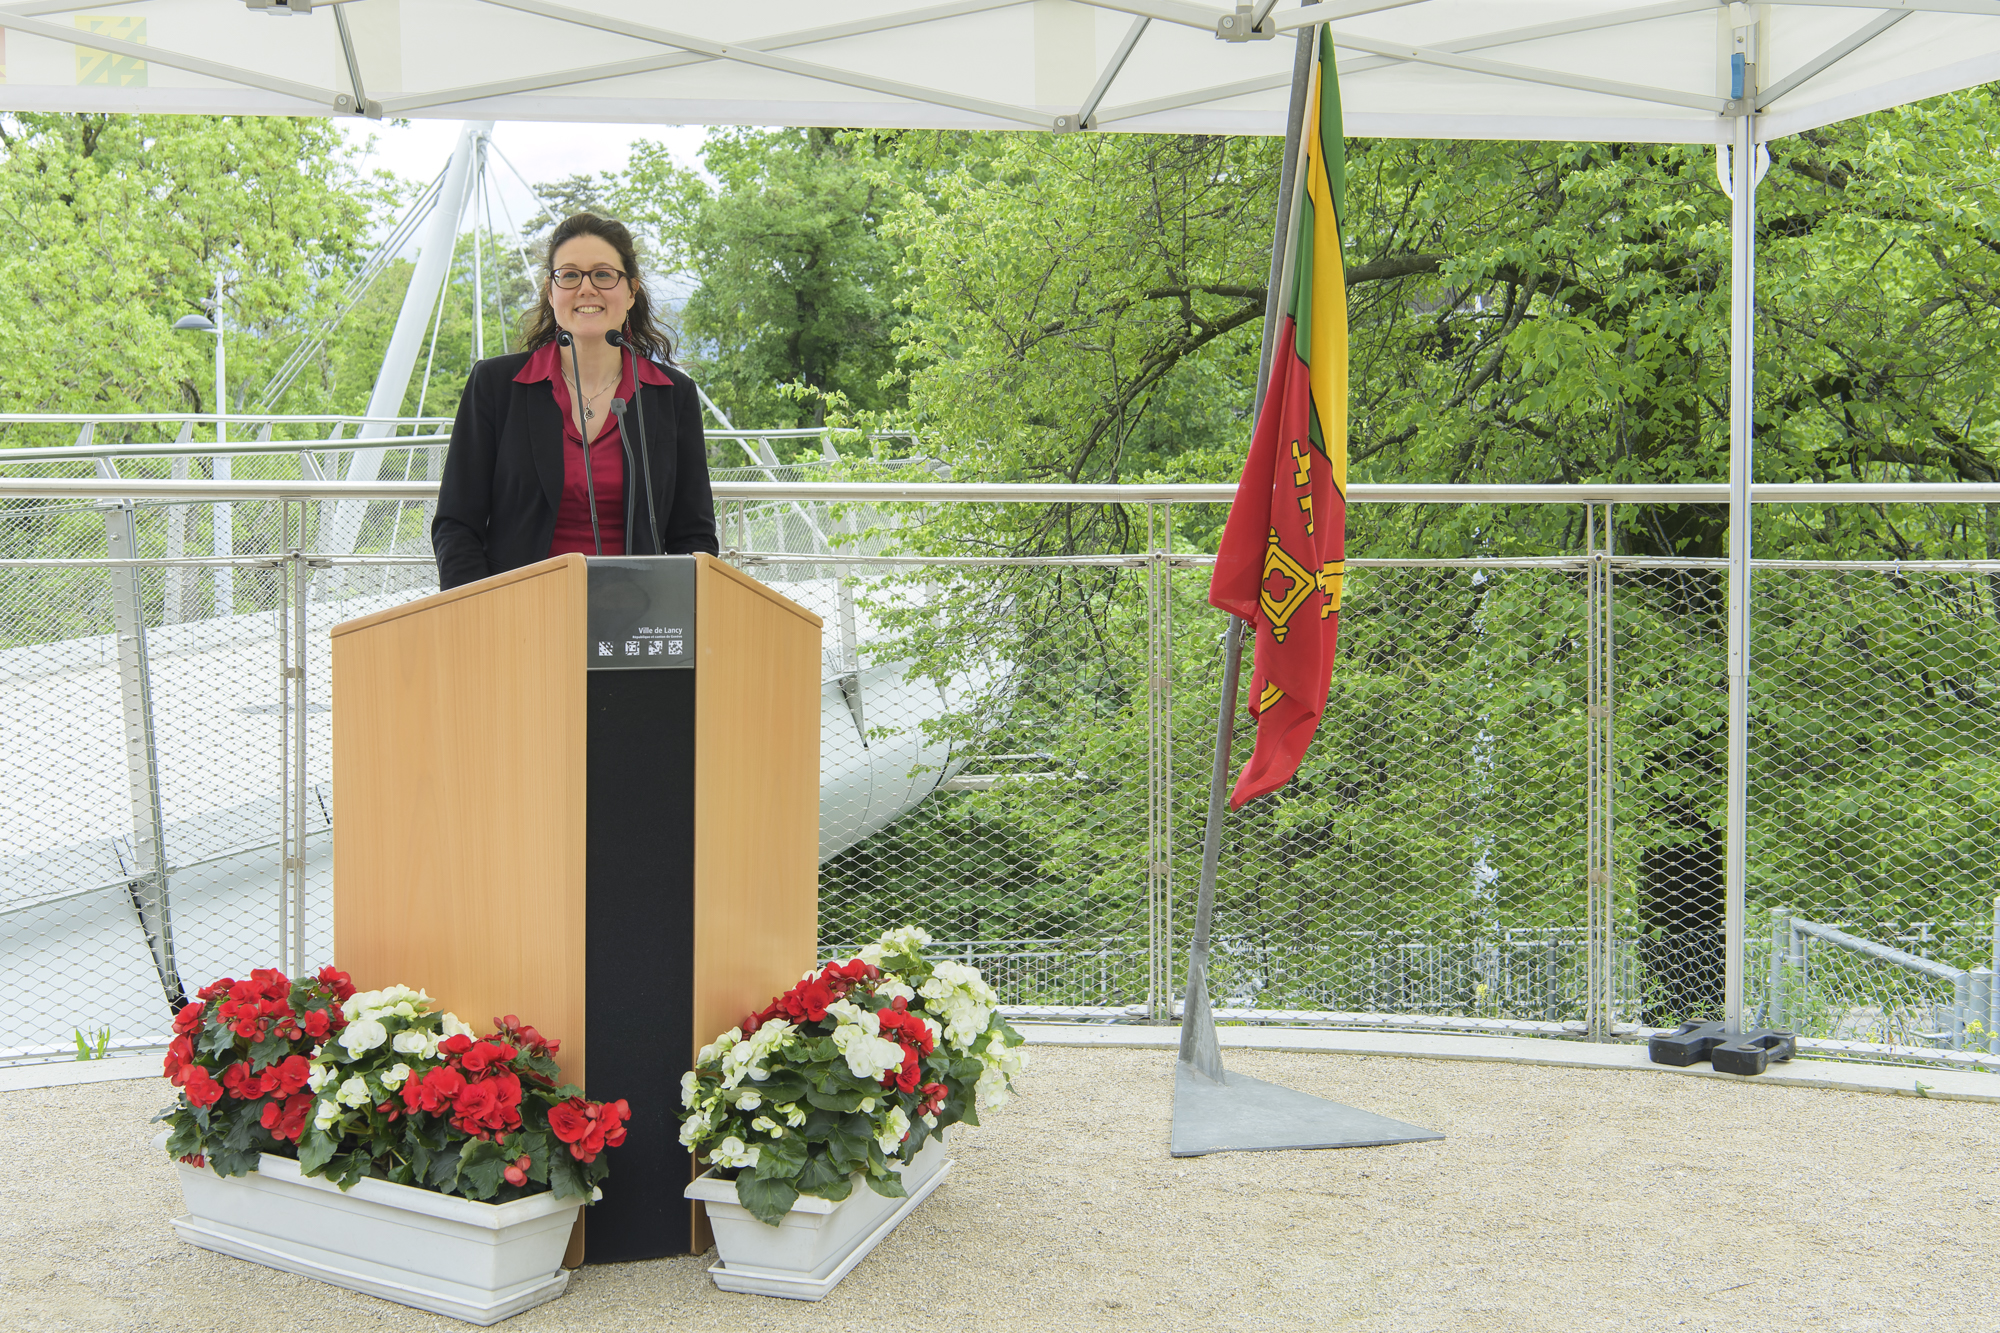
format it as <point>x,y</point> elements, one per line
<point>1560,1199</point>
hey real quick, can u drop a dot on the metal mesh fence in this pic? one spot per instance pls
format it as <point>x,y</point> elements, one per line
<point>1428,857</point>
<point>1016,755</point>
<point>1670,730</point>
<point>1875,783</point>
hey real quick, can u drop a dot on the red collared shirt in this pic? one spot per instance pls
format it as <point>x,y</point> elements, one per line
<point>607,457</point>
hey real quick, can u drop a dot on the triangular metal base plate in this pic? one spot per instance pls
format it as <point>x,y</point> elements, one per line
<point>1243,1114</point>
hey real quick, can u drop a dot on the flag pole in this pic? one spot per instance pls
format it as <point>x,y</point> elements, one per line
<point>1199,1048</point>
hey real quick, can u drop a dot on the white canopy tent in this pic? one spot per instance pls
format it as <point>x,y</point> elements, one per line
<point>1487,69</point>
<point>1677,71</point>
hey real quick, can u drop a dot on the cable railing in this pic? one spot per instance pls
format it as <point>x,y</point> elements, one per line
<point>1431,869</point>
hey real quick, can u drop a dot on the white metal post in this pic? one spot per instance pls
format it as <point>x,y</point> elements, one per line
<point>222,517</point>
<point>1742,297</point>
<point>340,536</point>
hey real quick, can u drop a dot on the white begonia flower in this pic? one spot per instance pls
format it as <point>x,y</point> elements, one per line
<point>846,1012</point>
<point>747,1099</point>
<point>868,1056</point>
<point>937,1028</point>
<point>697,1127</point>
<point>868,1106</point>
<point>714,1050</point>
<point>320,1076</point>
<point>354,1092</point>
<point>964,999</point>
<point>368,1003</point>
<point>895,1127</point>
<point>409,1042</point>
<point>454,1026</point>
<point>394,1078</point>
<point>929,1119</point>
<point>690,1090</point>
<point>893,988</point>
<point>596,1193</point>
<point>745,1059</point>
<point>363,1035</point>
<point>794,1114</point>
<point>730,1153</point>
<point>1002,1062</point>
<point>763,1124</point>
<point>903,939</point>
<point>325,1113</point>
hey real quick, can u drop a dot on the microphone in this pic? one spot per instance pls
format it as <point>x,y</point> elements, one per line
<point>617,338</point>
<point>563,339</point>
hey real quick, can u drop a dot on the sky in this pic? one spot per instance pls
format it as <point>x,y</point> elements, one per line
<point>540,151</point>
<point>543,151</point>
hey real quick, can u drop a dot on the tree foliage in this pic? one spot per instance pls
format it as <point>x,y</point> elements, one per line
<point>127,224</point>
<point>797,281</point>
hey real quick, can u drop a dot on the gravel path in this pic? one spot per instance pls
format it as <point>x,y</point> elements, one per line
<point>1560,1199</point>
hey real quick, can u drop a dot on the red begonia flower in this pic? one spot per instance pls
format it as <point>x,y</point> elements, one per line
<point>568,1122</point>
<point>199,1088</point>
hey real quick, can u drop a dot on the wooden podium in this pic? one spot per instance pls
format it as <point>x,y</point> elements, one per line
<point>586,793</point>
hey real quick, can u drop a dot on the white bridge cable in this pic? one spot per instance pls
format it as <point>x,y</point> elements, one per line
<point>351,295</point>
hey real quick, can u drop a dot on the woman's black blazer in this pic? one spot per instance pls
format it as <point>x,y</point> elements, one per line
<point>503,475</point>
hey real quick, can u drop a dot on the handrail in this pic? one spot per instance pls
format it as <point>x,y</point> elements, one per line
<point>879,492</point>
<point>235,448</point>
<point>204,418</point>
<point>1895,957</point>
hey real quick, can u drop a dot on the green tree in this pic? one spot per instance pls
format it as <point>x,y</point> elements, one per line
<point>130,221</point>
<point>1529,313</point>
<point>796,284</point>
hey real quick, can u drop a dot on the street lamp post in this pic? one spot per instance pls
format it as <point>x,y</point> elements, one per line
<point>222,515</point>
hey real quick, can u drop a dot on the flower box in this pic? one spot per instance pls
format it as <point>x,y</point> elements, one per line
<point>479,1262</point>
<point>819,1242</point>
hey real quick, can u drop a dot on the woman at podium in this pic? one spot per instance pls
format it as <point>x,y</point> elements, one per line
<point>587,440</point>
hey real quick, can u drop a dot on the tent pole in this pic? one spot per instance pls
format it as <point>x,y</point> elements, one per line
<point>1198,1044</point>
<point>1742,309</point>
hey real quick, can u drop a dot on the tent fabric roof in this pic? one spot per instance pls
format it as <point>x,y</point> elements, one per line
<point>1487,69</point>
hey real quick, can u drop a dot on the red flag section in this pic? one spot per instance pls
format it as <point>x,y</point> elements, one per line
<point>1279,566</point>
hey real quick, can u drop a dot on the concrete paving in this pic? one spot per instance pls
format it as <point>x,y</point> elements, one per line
<point>1573,1197</point>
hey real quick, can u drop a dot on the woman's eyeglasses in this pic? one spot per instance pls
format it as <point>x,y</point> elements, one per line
<point>569,279</point>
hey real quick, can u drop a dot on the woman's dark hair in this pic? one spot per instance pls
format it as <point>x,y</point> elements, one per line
<point>641,329</point>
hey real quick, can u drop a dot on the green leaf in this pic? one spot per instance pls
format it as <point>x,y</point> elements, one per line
<point>232,1162</point>
<point>843,1099</point>
<point>820,1177</point>
<point>316,1148</point>
<point>444,1168</point>
<point>480,1167</point>
<point>769,1200</point>
<point>889,1185</point>
<point>567,1176</point>
<point>780,1157</point>
<point>782,1086</point>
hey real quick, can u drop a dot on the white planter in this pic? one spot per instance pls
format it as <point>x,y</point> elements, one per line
<point>819,1243</point>
<point>480,1262</point>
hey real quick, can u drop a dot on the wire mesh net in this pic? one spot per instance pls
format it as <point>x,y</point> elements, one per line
<point>1874,790</point>
<point>1016,752</point>
<point>1428,857</point>
<point>980,780</point>
<point>1671,723</point>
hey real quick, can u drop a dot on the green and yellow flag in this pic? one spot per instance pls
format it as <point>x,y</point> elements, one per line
<point>1280,562</point>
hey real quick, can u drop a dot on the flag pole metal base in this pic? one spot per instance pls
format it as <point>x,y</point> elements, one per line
<point>1244,1114</point>
<point>1215,1110</point>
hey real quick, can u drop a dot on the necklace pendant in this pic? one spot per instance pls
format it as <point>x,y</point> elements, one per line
<point>588,414</point>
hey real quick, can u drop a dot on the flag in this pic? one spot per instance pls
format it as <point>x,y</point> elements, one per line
<point>1279,565</point>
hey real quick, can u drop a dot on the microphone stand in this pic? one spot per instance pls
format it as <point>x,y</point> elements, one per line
<point>589,473</point>
<point>616,337</point>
